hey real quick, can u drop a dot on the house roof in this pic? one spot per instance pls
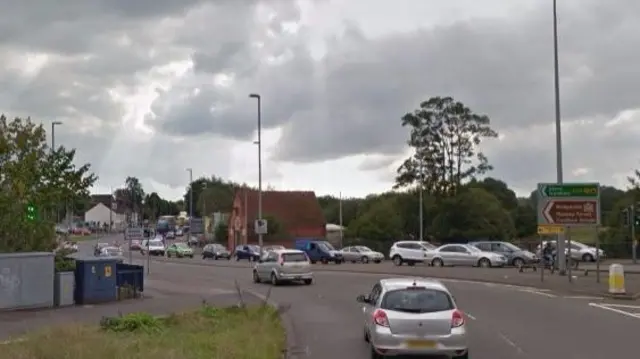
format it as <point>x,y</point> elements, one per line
<point>292,209</point>
<point>107,199</point>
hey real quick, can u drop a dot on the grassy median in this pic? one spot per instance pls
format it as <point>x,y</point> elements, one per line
<point>209,332</point>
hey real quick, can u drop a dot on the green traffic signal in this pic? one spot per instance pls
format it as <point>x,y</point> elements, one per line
<point>31,212</point>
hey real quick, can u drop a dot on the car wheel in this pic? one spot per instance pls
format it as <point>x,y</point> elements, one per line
<point>324,261</point>
<point>308,281</point>
<point>484,263</point>
<point>587,257</point>
<point>274,279</point>
<point>397,260</point>
<point>256,277</point>
<point>191,256</point>
<point>463,356</point>
<point>204,257</point>
<point>518,262</point>
<point>364,259</point>
<point>437,262</point>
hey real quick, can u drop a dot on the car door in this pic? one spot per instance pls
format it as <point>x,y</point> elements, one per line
<point>369,307</point>
<point>464,256</point>
<point>448,255</point>
<point>269,262</point>
<point>414,251</point>
<point>347,254</point>
<point>172,249</point>
<point>498,247</point>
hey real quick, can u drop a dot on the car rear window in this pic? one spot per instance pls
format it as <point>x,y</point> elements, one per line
<point>418,300</point>
<point>294,257</point>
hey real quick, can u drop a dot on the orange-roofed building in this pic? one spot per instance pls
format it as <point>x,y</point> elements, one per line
<point>298,214</point>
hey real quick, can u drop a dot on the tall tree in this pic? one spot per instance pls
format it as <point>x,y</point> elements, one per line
<point>33,176</point>
<point>445,136</point>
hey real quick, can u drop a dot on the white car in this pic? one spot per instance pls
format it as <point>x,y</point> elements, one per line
<point>154,247</point>
<point>465,255</point>
<point>413,317</point>
<point>283,265</point>
<point>579,251</point>
<point>410,252</point>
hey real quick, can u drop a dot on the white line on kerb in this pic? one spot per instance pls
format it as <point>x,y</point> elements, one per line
<point>538,293</point>
<point>619,311</point>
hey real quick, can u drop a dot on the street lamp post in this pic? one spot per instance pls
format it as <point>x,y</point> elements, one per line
<point>53,148</point>
<point>190,203</point>
<point>259,143</point>
<point>562,264</point>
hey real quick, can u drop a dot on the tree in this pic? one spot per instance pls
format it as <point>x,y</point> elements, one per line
<point>381,222</point>
<point>221,232</point>
<point>445,136</point>
<point>32,175</point>
<point>214,194</point>
<point>473,214</point>
<point>275,229</point>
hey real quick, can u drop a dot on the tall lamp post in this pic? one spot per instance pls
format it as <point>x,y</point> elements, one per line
<point>259,143</point>
<point>562,264</point>
<point>190,203</point>
<point>53,148</point>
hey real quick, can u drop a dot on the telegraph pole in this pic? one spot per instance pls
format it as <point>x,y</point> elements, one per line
<point>634,245</point>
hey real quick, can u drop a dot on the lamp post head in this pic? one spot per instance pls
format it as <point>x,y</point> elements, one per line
<point>254,95</point>
<point>56,123</point>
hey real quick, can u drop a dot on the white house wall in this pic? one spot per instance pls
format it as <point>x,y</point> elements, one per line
<point>101,213</point>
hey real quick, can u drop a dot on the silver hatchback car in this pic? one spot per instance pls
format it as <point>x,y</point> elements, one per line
<point>405,316</point>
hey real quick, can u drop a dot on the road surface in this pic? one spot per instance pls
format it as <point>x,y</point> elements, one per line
<point>503,321</point>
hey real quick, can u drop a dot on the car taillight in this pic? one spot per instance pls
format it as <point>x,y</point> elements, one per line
<point>457,319</point>
<point>380,318</point>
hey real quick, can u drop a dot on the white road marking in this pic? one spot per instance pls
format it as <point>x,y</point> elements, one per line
<point>537,292</point>
<point>583,297</point>
<point>612,308</point>
<point>470,316</point>
<point>510,342</point>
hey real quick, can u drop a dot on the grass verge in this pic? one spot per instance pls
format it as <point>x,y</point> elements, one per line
<point>208,332</point>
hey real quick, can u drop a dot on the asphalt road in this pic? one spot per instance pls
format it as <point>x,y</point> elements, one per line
<point>503,321</point>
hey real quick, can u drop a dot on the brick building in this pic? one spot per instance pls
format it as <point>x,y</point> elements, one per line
<point>297,212</point>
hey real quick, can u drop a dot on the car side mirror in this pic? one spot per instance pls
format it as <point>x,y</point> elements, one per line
<point>362,299</point>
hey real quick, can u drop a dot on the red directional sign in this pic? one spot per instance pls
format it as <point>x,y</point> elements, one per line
<point>581,212</point>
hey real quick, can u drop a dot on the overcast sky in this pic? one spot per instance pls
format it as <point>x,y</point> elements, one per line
<point>147,88</point>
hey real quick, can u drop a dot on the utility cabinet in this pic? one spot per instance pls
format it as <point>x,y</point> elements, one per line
<point>26,280</point>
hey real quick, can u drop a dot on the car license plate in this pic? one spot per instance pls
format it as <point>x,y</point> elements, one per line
<point>421,343</point>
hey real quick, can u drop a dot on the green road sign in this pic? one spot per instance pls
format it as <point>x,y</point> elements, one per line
<point>589,190</point>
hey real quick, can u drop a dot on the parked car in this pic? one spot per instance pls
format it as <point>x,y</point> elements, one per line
<point>579,252</point>
<point>414,317</point>
<point>515,255</point>
<point>170,235</point>
<point>135,245</point>
<point>247,251</point>
<point>410,252</point>
<point>62,229</point>
<point>361,254</point>
<point>98,248</point>
<point>465,255</point>
<point>215,251</point>
<point>319,251</point>
<point>273,247</point>
<point>154,247</point>
<point>283,265</point>
<point>179,250</point>
<point>110,251</point>
<point>179,232</point>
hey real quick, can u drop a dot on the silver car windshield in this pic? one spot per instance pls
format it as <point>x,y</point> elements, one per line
<point>155,243</point>
<point>417,300</point>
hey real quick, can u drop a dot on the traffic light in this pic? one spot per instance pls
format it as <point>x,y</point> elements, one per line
<point>32,212</point>
<point>636,214</point>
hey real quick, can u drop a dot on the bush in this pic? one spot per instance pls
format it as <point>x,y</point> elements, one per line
<point>62,263</point>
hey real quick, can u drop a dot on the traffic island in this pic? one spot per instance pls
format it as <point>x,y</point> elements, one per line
<point>206,332</point>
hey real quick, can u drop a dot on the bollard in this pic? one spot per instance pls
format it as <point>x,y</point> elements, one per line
<point>616,279</point>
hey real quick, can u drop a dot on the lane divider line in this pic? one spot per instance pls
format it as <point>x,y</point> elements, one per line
<point>538,293</point>
<point>511,343</point>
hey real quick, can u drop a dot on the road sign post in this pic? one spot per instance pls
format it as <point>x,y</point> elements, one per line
<point>568,205</point>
